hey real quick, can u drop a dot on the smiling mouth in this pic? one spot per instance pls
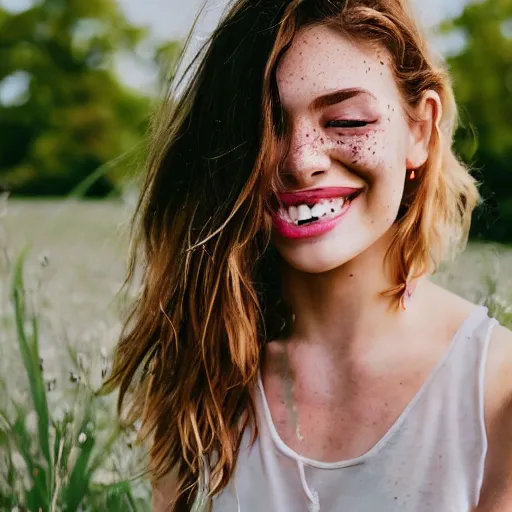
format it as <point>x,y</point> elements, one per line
<point>318,211</point>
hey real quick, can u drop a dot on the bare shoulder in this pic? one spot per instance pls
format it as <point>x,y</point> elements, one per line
<point>448,308</point>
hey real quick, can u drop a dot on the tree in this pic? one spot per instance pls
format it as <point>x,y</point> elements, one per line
<point>77,116</point>
<point>482,74</point>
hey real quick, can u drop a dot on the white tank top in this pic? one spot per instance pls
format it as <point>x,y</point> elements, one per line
<point>431,459</point>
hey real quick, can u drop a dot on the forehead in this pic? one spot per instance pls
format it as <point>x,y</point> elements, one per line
<point>321,60</point>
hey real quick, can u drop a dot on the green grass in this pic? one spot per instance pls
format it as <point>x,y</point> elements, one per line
<point>61,458</point>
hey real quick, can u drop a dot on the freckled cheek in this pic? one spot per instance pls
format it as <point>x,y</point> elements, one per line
<point>370,156</point>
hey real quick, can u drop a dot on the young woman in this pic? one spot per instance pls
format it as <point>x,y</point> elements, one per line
<point>288,352</point>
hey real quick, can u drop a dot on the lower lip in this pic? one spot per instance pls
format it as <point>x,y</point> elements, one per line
<point>291,231</point>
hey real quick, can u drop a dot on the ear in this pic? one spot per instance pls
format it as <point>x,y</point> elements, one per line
<point>427,116</point>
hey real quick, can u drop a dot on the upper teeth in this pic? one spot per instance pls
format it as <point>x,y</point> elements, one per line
<point>326,207</point>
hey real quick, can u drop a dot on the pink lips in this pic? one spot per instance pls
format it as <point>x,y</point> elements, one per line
<point>293,231</point>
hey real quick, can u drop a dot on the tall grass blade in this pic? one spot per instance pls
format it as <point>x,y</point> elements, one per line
<point>28,346</point>
<point>37,496</point>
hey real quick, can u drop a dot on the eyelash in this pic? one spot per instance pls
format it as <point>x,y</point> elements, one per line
<point>349,123</point>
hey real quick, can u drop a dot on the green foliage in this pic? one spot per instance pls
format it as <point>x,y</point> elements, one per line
<point>62,458</point>
<point>500,307</point>
<point>77,115</point>
<point>482,75</point>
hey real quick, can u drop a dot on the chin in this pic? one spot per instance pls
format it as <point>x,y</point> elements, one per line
<point>317,258</point>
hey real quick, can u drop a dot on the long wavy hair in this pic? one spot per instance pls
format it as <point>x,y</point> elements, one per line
<point>210,296</point>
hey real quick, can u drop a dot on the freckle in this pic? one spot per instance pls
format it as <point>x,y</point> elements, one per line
<point>351,275</point>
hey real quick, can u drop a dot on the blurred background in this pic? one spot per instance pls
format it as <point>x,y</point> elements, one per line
<point>78,82</point>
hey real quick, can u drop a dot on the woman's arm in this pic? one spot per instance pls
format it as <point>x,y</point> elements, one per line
<point>496,495</point>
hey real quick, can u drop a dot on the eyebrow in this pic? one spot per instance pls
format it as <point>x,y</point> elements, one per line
<point>337,97</point>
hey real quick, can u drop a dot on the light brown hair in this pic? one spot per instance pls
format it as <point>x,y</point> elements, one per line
<point>210,298</point>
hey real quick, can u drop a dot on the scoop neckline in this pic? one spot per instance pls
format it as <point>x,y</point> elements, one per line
<point>466,325</point>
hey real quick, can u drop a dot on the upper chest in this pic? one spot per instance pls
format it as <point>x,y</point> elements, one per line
<point>347,416</point>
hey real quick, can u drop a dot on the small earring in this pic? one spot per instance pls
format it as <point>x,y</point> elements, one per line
<point>412,175</point>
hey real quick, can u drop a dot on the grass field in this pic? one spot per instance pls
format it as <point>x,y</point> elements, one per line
<point>76,266</point>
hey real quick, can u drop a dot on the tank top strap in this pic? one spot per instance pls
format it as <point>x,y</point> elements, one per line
<point>479,342</point>
<point>469,351</point>
<point>464,364</point>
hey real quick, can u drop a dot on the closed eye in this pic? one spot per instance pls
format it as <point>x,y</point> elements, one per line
<point>347,123</point>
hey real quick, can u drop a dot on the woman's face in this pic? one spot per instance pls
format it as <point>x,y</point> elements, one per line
<point>350,148</point>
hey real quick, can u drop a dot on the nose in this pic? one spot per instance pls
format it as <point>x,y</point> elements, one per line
<point>307,159</point>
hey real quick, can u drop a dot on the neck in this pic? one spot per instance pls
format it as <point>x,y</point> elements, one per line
<point>344,308</point>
